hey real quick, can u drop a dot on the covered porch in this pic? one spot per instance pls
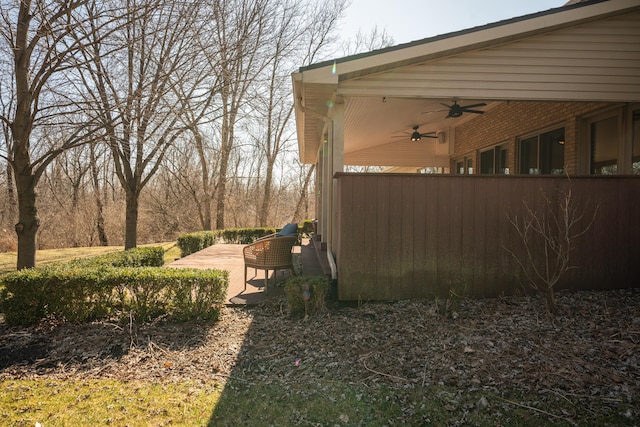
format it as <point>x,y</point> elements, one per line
<point>547,95</point>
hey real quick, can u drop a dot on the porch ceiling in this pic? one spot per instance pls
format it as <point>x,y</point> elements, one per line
<point>372,122</point>
<point>584,52</point>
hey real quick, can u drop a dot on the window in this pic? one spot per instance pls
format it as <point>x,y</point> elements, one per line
<point>542,154</point>
<point>464,166</point>
<point>605,140</point>
<point>494,161</point>
<point>611,142</point>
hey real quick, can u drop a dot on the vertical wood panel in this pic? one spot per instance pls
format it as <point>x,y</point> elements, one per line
<point>372,236</point>
<point>431,238</point>
<point>347,243</point>
<point>443,226</point>
<point>395,239</point>
<point>414,236</point>
<point>455,233</point>
<point>479,237</point>
<point>407,233</point>
<point>470,273</point>
<point>382,249</point>
<point>492,241</point>
<point>504,259</point>
<point>419,236</point>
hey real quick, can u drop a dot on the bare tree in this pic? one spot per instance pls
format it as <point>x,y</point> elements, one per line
<point>301,32</point>
<point>239,32</point>
<point>548,237</point>
<point>97,195</point>
<point>376,39</point>
<point>302,203</point>
<point>43,37</point>
<point>134,71</point>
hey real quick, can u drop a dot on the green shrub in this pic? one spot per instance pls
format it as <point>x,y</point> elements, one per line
<point>306,295</point>
<point>77,294</point>
<point>245,236</point>
<point>152,256</point>
<point>84,290</point>
<point>198,294</point>
<point>194,242</point>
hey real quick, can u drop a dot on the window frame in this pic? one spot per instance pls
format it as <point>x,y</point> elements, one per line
<point>497,150</point>
<point>538,135</point>
<point>624,115</point>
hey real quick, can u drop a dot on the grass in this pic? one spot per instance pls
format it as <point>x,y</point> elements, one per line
<point>282,401</point>
<point>105,402</point>
<point>322,403</point>
<point>8,260</point>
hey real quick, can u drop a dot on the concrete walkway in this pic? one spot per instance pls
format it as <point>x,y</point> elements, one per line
<point>229,257</point>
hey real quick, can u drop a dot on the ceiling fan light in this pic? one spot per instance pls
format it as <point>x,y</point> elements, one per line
<point>415,136</point>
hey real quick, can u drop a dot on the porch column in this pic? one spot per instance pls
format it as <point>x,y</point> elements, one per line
<point>322,178</point>
<point>337,160</point>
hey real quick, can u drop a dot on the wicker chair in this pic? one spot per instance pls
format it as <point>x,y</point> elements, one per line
<point>273,253</point>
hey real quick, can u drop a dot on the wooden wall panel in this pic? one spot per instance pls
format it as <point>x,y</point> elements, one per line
<point>416,236</point>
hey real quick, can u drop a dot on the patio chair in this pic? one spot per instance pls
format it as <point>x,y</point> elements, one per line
<point>272,253</point>
<point>290,229</point>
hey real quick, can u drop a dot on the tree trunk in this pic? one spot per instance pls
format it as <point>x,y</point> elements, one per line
<point>221,190</point>
<point>11,193</point>
<point>131,223</point>
<point>206,183</point>
<point>28,222</point>
<point>21,128</point>
<point>266,200</point>
<point>303,195</point>
<point>102,234</point>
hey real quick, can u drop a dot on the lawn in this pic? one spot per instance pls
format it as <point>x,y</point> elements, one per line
<point>498,361</point>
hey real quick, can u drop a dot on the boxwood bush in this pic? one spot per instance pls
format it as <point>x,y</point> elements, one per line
<point>194,242</point>
<point>88,289</point>
<point>151,256</point>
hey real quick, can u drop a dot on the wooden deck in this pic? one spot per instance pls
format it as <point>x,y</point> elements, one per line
<point>229,257</point>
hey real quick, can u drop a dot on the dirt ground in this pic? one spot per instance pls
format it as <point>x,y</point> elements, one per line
<point>591,348</point>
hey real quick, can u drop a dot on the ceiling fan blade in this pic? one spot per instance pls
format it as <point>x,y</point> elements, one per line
<point>474,111</point>
<point>482,104</point>
<point>434,111</point>
<point>429,136</point>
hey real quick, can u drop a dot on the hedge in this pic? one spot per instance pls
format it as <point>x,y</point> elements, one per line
<point>89,289</point>
<point>194,242</point>
<point>197,241</point>
<point>152,256</point>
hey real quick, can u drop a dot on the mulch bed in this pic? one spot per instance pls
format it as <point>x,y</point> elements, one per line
<point>591,348</point>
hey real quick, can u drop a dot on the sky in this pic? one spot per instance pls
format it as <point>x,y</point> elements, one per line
<point>409,20</point>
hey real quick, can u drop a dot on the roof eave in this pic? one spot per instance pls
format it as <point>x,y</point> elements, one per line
<point>453,43</point>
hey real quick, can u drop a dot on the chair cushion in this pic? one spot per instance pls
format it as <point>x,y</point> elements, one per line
<point>289,230</point>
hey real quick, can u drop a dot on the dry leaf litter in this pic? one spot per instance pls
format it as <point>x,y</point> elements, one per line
<point>591,348</point>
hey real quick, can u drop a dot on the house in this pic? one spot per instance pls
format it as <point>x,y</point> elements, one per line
<point>470,129</point>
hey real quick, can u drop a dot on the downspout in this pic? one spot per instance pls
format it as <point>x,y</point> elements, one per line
<point>329,124</point>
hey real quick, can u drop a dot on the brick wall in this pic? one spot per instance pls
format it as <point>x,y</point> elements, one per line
<point>509,121</point>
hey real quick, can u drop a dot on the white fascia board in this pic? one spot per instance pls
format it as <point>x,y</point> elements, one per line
<point>330,73</point>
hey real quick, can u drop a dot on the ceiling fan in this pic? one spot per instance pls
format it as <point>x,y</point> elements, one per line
<point>417,136</point>
<point>457,110</point>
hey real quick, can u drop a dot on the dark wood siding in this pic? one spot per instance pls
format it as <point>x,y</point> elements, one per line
<point>415,236</point>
